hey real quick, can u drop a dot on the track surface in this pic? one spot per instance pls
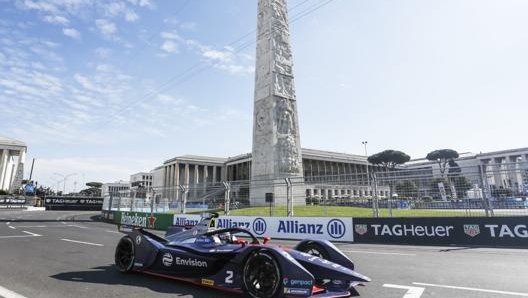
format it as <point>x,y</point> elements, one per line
<point>59,254</point>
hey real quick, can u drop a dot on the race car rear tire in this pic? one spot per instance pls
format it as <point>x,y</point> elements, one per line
<point>261,275</point>
<point>315,249</point>
<point>124,254</point>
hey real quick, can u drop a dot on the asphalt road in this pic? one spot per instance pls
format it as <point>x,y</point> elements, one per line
<point>59,254</point>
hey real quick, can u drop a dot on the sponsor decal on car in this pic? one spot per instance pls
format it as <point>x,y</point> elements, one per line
<point>361,229</point>
<point>300,283</point>
<point>207,282</point>
<point>138,264</point>
<point>472,230</point>
<point>190,262</point>
<point>298,291</point>
<point>167,259</point>
<point>138,239</point>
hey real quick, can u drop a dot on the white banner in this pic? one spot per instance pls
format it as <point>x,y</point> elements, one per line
<point>297,228</point>
<point>329,228</point>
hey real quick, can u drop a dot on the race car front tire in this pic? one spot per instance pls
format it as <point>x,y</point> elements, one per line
<point>124,254</point>
<point>261,275</point>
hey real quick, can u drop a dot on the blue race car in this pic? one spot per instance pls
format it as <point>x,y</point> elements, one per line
<point>234,260</point>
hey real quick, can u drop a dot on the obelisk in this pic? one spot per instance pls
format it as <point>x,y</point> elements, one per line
<point>276,150</point>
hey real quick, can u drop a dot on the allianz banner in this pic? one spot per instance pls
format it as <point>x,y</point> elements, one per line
<point>329,228</point>
<point>494,231</point>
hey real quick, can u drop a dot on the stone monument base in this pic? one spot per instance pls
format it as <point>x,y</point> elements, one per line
<point>262,193</point>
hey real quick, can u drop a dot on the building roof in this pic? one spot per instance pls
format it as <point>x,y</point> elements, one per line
<point>4,141</point>
<point>334,156</point>
<point>198,158</point>
<point>517,151</point>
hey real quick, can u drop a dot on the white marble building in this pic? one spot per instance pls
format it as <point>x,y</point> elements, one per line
<point>12,159</point>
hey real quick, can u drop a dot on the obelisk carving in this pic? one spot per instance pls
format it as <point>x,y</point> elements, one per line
<point>276,150</point>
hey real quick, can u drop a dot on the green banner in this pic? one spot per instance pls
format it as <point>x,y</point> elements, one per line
<point>157,221</point>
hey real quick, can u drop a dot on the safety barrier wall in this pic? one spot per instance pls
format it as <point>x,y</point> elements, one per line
<point>331,228</point>
<point>11,202</point>
<point>73,203</point>
<point>470,231</point>
<point>464,231</point>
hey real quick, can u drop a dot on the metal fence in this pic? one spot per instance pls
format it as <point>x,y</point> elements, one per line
<point>486,190</point>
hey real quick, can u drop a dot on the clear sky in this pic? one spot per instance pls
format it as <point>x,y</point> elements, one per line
<point>108,88</point>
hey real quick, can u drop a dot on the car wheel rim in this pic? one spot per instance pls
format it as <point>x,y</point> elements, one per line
<point>125,254</point>
<point>261,276</point>
<point>315,252</point>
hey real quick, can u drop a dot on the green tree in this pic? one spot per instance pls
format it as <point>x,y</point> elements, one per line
<point>442,157</point>
<point>454,169</point>
<point>94,184</point>
<point>93,191</point>
<point>406,188</point>
<point>462,185</point>
<point>389,159</point>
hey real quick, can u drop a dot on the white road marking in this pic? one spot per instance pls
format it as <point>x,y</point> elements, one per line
<point>116,232</point>
<point>472,289</point>
<point>82,242</point>
<point>32,234</point>
<point>7,223</point>
<point>378,253</point>
<point>412,292</point>
<point>11,227</point>
<point>9,294</point>
<point>76,226</point>
<point>31,226</point>
<point>16,236</point>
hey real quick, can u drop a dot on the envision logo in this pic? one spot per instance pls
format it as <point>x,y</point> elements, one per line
<point>336,228</point>
<point>167,259</point>
<point>259,226</point>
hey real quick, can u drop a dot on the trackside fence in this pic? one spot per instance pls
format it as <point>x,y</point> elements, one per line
<point>495,190</point>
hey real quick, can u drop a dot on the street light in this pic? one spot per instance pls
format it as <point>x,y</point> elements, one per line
<point>368,176</point>
<point>65,177</point>
<point>56,180</point>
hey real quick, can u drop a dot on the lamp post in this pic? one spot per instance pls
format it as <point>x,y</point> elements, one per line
<point>56,180</point>
<point>368,176</point>
<point>65,177</point>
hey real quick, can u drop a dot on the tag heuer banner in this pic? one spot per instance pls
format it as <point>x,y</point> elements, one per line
<point>495,231</point>
<point>73,203</point>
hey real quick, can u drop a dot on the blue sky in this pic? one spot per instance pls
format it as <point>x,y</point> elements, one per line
<point>105,89</point>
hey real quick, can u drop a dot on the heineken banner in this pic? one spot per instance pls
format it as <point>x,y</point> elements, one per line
<point>158,221</point>
<point>488,231</point>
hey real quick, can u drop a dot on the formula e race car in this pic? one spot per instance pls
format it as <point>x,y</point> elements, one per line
<point>234,260</point>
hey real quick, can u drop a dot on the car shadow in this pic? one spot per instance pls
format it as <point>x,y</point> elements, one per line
<point>109,275</point>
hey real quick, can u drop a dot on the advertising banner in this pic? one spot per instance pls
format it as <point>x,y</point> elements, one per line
<point>329,228</point>
<point>73,203</point>
<point>157,221</point>
<point>333,229</point>
<point>9,202</point>
<point>488,231</point>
